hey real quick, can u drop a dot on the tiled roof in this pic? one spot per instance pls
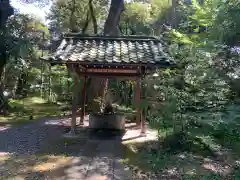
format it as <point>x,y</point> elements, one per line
<point>107,49</point>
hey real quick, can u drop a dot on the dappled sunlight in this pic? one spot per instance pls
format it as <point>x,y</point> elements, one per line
<point>5,127</point>
<point>16,166</point>
<point>135,136</point>
<point>145,156</point>
<point>17,177</point>
<point>209,141</point>
<point>191,172</point>
<point>51,163</point>
<point>35,100</point>
<point>29,101</point>
<point>217,167</point>
<point>76,167</point>
<point>97,177</point>
<point>21,167</point>
<point>171,172</point>
<point>237,163</point>
<point>29,109</point>
<point>60,121</point>
<point>4,156</point>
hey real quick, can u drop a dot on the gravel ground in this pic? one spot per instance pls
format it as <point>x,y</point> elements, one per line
<point>97,158</point>
<point>28,139</point>
<point>94,157</point>
<point>102,155</point>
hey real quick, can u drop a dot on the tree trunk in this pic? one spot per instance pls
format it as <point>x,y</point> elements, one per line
<point>94,20</point>
<point>173,13</point>
<point>73,27</point>
<point>3,103</point>
<point>5,11</point>
<point>111,24</point>
<point>111,29</point>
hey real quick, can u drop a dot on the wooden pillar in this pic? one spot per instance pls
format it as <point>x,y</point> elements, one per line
<point>49,82</point>
<point>144,111</point>
<point>138,100</point>
<point>74,105</point>
<point>143,120</point>
<point>140,114</point>
<point>84,82</point>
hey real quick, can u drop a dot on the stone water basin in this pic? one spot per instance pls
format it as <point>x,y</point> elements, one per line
<point>107,121</point>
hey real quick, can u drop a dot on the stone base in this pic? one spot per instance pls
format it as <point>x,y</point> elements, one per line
<point>81,123</point>
<point>71,134</point>
<point>143,134</point>
<point>107,121</point>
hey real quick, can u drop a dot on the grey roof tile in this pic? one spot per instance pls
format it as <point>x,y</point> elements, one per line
<point>107,49</point>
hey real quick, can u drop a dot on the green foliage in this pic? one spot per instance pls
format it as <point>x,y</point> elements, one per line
<point>30,109</point>
<point>189,105</point>
<point>18,40</point>
<point>22,46</point>
<point>194,87</point>
<point>213,20</point>
<point>227,24</point>
<point>63,12</point>
<point>143,17</point>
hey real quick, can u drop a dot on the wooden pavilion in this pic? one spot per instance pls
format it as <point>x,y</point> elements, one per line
<point>129,57</point>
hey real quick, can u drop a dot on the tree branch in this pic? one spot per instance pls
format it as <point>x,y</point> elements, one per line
<point>72,20</point>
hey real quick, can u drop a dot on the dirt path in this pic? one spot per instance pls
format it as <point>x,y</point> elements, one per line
<point>39,151</point>
<point>97,160</point>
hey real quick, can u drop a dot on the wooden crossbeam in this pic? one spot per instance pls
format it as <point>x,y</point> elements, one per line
<point>104,70</point>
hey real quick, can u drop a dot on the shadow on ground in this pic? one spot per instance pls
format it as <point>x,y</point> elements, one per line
<point>196,154</point>
<point>39,151</point>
